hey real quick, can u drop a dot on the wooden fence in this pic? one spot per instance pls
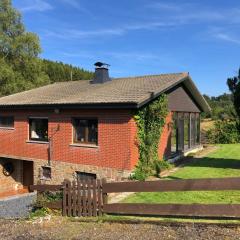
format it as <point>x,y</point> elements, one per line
<point>89,198</point>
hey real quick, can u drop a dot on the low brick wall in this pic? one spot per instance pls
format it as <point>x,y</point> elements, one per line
<point>18,206</point>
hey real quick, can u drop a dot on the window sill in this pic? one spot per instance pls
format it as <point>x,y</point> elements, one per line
<point>7,128</point>
<point>45,179</point>
<point>84,145</point>
<point>38,142</point>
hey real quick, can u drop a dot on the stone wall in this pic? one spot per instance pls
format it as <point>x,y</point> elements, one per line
<point>63,170</point>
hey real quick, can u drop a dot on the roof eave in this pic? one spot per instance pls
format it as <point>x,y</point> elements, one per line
<point>129,105</point>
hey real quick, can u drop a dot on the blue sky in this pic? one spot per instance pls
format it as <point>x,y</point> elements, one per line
<point>139,37</point>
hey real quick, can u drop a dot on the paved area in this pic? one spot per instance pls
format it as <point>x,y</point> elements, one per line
<point>17,206</point>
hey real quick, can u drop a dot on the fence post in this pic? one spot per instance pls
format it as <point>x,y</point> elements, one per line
<point>104,194</point>
<point>64,202</point>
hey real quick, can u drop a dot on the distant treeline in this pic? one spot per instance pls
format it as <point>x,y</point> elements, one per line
<point>222,107</point>
<point>60,72</point>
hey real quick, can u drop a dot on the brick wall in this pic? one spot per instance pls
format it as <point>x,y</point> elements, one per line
<point>115,156</point>
<point>113,149</point>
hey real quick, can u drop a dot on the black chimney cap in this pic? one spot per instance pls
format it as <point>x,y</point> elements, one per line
<point>101,64</point>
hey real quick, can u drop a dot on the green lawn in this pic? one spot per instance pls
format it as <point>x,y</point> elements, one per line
<point>224,162</point>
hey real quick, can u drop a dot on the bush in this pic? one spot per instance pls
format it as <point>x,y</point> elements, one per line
<point>161,166</point>
<point>224,132</point>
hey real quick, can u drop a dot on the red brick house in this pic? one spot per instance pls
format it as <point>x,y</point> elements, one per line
<point>86,128</point>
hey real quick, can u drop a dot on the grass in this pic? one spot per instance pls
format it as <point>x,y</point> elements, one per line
<point>224,162</point>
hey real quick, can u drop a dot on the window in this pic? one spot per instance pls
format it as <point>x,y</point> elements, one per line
<point>85,131</point>
<point>46,173</point>
<point>85,176</point>
<point>38,129</point>
<point>186,131</point>
<point>198,128</point>
<point>6,121</point>
<point>174,134</point>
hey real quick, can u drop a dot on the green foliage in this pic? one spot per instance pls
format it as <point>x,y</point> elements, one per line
<point>161,166</point>
<point>150,120</point>
<point>20,67</point>
<point>40,212</point>
<point>18,53</point>
<point>58,71</point>
<point>218,106</point>
<point>234,87</point>
<point>224,132</point>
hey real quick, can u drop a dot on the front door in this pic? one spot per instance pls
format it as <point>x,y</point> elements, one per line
<point>27,174</point>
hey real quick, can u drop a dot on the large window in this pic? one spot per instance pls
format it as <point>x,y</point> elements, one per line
<point>174,134</point>
<point>38,129</point>
<point>185,131</point>
<point>85,131</point>
<point>6,121</point>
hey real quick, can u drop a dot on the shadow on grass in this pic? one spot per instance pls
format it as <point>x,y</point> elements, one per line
<point>213,162</point>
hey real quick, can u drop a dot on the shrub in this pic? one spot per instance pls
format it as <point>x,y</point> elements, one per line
<point>161,166</point>
<point>224,132</point>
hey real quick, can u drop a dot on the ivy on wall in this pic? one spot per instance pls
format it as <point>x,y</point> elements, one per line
<point>150,121</point>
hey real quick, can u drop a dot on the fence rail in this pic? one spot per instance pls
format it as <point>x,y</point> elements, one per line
<point>87,198</point>
<point>205,184</point>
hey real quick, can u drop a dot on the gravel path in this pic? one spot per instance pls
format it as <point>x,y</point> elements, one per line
<point>64,228</point>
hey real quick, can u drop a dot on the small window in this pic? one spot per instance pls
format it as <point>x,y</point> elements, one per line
<point>38,129</point>
<point>85,131</point>
<point>6,121</point>
<point>46,173</point>
<point>86,176</point>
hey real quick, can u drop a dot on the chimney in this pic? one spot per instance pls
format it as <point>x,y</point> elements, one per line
<point>101,73</point>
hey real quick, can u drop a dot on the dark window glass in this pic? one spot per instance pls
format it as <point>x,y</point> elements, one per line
<point>180,132</point>
<point>198,119</point>
<point>7,121</point>
<point>38,129</point>
<point>85,131</point>
<point>86,176</point>
<point>186,131</point>
<point>46,173</point>
<point>174,134</point>
<point>193,129</point>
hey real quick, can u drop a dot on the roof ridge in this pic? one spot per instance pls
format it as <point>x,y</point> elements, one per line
<point>153,75</point>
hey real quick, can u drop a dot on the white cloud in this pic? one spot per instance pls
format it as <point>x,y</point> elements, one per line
<point>165,6</point>
<point>226,37</point>
<point>77,5</point>
<point>35,5</point>
<point>117,31</point>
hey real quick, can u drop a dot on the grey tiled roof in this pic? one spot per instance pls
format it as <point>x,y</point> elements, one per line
<point>133,90</point>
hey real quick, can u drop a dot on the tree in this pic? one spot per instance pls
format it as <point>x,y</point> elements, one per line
<point>234,87</point>
<point>20,68</point>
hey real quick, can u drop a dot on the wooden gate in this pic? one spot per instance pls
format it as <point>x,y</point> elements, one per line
<point>82,198</point>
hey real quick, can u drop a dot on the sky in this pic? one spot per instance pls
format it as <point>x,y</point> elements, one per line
<point>141,37</point>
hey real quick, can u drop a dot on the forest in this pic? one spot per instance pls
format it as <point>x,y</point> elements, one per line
<point>21,68</point>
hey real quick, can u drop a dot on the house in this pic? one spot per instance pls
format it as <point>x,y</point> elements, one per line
<point>86,129</point>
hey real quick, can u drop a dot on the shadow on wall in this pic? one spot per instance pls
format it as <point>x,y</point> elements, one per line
<point>10,179</point>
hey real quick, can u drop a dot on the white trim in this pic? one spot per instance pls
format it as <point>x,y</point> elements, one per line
<point>83,145</point>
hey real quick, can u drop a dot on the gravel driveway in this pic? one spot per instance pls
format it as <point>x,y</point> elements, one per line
<point>64,228</point>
